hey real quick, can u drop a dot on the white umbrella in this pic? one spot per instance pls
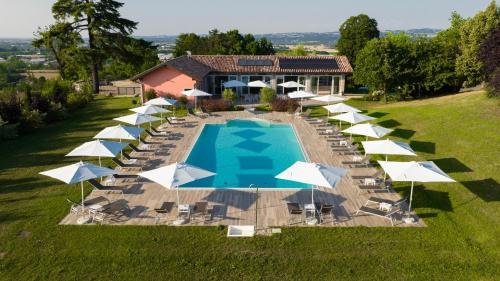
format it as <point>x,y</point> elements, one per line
<point>313,173</point>
<point>98,148</point>
<point>291,84</point>
<point>301,95</point>
<point>161,101</point>
<point>415,172</point>
<point>340,108</point>
<point>119,132</point>
<point>137,119</point>
<point>175,175</point>
<point>368,130</point>
<point>329,99</point>
<point>258,84</point>
<point>195,93</point>
<point>234,84</point>
<point>150,109</point>
<point>352,117</point>
<point>78,172</point>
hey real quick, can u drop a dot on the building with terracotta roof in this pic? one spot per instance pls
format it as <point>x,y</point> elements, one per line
<point>321,75</point>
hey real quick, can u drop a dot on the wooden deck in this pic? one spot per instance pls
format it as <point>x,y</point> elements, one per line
<point>237,206</point>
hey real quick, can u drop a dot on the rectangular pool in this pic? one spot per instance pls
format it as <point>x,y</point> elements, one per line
<point>244,152</point>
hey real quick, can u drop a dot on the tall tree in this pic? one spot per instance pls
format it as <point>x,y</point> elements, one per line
<point>100,21</point>
<point>473,32</point>
<point>355,32</point>
<point>489,54</point>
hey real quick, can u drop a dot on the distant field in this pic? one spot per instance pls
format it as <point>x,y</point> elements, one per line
<point>461,133</point>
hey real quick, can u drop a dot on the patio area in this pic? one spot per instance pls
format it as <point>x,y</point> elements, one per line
<point>135,206</point>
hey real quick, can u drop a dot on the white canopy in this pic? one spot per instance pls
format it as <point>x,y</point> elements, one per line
<point>195,93</point>
<point>98,148</point>
<point>78,172</point>
<point>340,108</point>
<point>387,147</point>
<point>329,98</point>
<point>119,132</point>
<point>149,109</point>
<point>258,84</point>
<point>234,84</point>
<point>291,84</point>
<point>313,173</point>
<point>176,174</point>
<point>161,101</point>
<point>137,119</point>
<point>352,117</point>
<point>368,130</point>
<point>415,172</point>
<point>300,95</point>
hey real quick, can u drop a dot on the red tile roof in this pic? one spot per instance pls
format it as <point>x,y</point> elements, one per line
<point>200,65</point>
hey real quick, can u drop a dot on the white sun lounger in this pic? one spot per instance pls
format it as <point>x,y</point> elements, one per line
<point>240,231</point>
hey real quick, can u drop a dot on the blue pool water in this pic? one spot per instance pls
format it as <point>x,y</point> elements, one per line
<point>244,152</point>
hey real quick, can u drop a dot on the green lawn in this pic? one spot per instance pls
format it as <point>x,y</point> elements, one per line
<point>461,133</point>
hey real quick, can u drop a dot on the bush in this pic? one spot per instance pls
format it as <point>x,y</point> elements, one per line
<point>285,105</point>
<point>30,120</point>
<point>267,95</point>
<point>39,102</point>
<point>77,100</point>
<point>10,111</point>
<point>56,90</point>
<point>56,113</point>
<point>229,96</point>
<point>213,105</point>
<point>150,94</point>
<point>182,101</point>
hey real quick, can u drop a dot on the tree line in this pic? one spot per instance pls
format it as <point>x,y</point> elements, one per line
<point>460,56</point>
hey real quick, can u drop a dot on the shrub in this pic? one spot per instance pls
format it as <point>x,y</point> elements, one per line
<point>267,95</point>
<point>56,90</point>
<point>10,111</point>
<point>150,94</point>
<point>229,96</point>
<point>134,101</point>
<point>182,101</point>
<point>213,105</point>
<point>39,102</point>
<point>56,113</point>
<point>285,105</point>
<point>77,100</point>
<point>30,120</point>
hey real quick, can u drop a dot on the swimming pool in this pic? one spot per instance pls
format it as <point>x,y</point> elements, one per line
<point>244,152</point>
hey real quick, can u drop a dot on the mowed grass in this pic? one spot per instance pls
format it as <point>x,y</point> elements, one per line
<point>461,133</point>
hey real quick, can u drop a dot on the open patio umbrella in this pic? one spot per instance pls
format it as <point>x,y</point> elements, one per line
<point>78,172</point>
<point>301,95</point>
<point>161,101</point>
<point>352,117</point>
<point>119,132</point>
<point>195,93</point>
<point>340,108</point>
<point>234,84</point>
<point>175,175</point>
<point>258,84</point>
<point>137,119</point>
<point>98,148</point>
<point>291,84</point>
<point>150,109</point>
<point>413,171</point>
<point>329,99</point>
<point>368,130</point>
<point>314,174</point>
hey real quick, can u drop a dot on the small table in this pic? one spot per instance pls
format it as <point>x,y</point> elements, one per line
<point>184,209</point>
<point>95,207</point>
<point>344,143</point>
<point>310,210</point>
<point>385,207</point>
<point>84,220</point>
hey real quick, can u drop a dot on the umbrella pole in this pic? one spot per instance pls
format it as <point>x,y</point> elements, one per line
<point>177,191</point>
<point>161,118</point>
<point>100,165</point>
<point>385,174</point>
<point>83,205</point>
<point>411,197</point>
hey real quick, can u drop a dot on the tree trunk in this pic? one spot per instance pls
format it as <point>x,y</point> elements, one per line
<point>95,68</point>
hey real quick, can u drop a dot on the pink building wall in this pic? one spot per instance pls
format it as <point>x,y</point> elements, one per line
<point>167,80</point>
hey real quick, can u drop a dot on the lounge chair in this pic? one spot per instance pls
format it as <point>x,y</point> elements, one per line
<point>161,133</point>
<point>294,211</point>
<point>106,188</point>
<point>173,121</point>
<point>136,149</point>
<point>124,165</point>
<point>205,112</point>
<point>196,114</point>
<point>377,174</point>
<point>379,213</point>
<point>357,161</point>
<point>377,200</point>
<point>307,113</point>
<point>325,211</point>
<point>154,135</point>
<point>374,186</point>
<point>200,209</point>
<point>165,210</point>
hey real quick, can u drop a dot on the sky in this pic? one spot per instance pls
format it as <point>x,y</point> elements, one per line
<point>20,18</point>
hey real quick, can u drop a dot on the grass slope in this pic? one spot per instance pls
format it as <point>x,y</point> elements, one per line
<point>461,133</point>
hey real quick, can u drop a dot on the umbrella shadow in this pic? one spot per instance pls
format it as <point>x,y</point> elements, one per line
<point>486,189</point>
<point>451,165</point>
<point>402,133</point>
<point>303,196</point>
<point>426,198</point>
<point>423,146</point>
<point>390,123</point>
<point>378,114</point>
<point>232,197</point>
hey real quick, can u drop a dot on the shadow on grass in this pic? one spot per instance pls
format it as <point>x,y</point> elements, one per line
<point>451,165</point>
<point>402,133</point>
<point>390,123</point>
<point>22,184</point>
<point>6,217</point>
<point>425,198</point>
<point>378,114</point>
<point>486,189</point>
<point>423,146</point>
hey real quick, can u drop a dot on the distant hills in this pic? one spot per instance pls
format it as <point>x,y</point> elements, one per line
<point>307,38</point>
